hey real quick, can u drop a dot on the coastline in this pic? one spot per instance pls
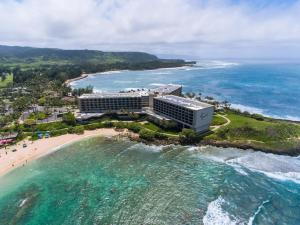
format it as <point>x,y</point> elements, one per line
<point>43,147</point>
<point>82,76</point>
<point>85,75</point>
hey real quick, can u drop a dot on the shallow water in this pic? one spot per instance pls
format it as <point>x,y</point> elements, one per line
<point>269,88</point>
<point>103,181</point>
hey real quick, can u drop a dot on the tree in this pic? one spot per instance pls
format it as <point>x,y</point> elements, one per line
<point>69,119</point>
<point>168,124</point>
<point>30,123</point>
<point>42,101</point>
<point>188,136</point>
<point>20,104</point>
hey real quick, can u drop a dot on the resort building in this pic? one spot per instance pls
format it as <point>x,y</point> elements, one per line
<point>110,102</point>
<point>188,112</point>
<point>169,89</point>
<point>162,103</point>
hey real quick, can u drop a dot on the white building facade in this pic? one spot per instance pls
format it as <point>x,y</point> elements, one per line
<point>188,112</point>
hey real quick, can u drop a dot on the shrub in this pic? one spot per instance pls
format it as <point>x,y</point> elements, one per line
<point>69,119</point>
<point>100,125</point>
<point>188,136</point>
<point>282,131</point>
<point>108,124</point>
<point>258,117</point>
<point>133,116</point>
<point>51,126</point>
<point>160,136</point>
<point>76,130</point>
<point>120,125</point>
<point>59,132</point>
<point>92,126</point>
<point>168,125</point>
<point>134,127</point>
<point>147,134</point>
<point>29,122</point>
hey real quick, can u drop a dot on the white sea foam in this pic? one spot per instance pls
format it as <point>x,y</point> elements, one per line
<point>149,148</point>
<point>252,218</point>
<point>215,215</point>
<point>289,176</point>
<point>279,167</point>
<point>157,84</point>
<point>240,170</point>
<point>22,202</point>
<point>293,118</point>
<point>132,89</point>
<point>249,109</point>
<point>112,72</point>
<point>215,64</point>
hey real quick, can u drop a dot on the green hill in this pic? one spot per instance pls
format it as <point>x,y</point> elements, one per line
<point>19,55</point>
<point>27,62</point>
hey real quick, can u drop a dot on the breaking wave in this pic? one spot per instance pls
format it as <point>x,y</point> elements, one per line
<point>215,215</point>
<point>215,64</point>
<point>279,167</point>
<point>252,218</point>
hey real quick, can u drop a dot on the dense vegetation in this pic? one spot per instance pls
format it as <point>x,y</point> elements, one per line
<point>56,64</point>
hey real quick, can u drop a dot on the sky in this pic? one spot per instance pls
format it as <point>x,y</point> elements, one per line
<point>189,28</point>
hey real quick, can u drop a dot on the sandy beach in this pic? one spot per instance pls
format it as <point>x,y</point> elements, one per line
<point>10,160</point>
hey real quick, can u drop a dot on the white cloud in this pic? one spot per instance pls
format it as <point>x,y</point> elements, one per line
<point>204,28</point>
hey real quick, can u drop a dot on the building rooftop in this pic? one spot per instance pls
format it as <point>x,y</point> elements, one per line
<point>110,95</point>
<point>166,89</point>
<point>184,102</point>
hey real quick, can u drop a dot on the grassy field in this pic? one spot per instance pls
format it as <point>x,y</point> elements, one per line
<point>153,127</point>
<point>218,120</point>
<point>267,134</point>
<point>7,81</point>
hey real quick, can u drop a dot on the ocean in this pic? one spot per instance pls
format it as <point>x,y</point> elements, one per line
<point>105,181</point>
<point>270,88</point>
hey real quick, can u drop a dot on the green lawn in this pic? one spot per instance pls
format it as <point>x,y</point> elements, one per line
<point>267,134</point>
<point>7,81</point>
<point>153,127</point>
<point>218,120</point>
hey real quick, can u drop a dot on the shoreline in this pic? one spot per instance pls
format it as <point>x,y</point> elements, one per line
<point>10,160</point>
<point>82,76</point>
<point>85,75</point>
<point>42,147</point>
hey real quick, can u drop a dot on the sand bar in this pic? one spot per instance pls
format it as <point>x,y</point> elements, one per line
<point>10,160</point>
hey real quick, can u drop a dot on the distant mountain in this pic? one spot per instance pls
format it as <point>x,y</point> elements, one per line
<point>30,55</point>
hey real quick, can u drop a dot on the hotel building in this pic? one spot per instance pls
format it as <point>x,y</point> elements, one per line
<point>169,89</point>
<point>162,103</point>
<point>110,102</point>
<point>190,113</point>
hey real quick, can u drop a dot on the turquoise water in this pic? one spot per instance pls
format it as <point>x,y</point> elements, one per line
<point>269,88</point>
<point>104,181</point>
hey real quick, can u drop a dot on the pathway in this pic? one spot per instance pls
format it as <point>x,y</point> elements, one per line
<point>228,121</point>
